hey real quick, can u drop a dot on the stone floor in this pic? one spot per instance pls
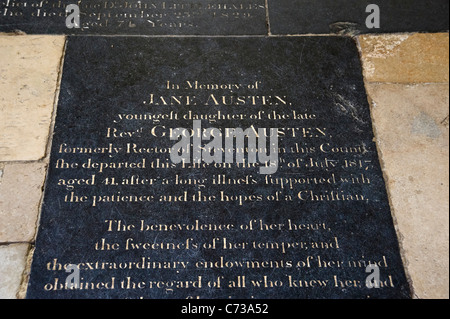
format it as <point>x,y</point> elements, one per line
<point>407,80</point>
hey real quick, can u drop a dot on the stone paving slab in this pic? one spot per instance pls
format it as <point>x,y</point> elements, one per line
<point>411,124</point>
<point>28,82</point>
<point>20,196</point>
<point>406,58</point>
<point>13,260</point>
<point>413,137</point>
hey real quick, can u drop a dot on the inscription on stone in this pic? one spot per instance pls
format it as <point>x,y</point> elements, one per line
<point>136,17</point>
<point>134,224</point>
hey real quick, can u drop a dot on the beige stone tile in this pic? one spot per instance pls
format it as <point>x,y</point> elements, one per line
<point>406,58</point>
<point>13,260</point>
<point>412,131</point>
<point>28,80</point>
<point>20,196</point>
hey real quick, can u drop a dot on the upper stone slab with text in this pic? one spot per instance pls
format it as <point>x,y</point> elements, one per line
<point>136,17</point>
<point>349,16</point>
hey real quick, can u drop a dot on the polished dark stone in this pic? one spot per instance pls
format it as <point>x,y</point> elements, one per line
<point>136,17</point>
<point>318,77</point>
<point>349,16</point>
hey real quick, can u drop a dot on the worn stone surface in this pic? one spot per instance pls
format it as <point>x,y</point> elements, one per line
<point>311,88</point>
<point>406,58</point>
<point>13,259</point>
<point>413,137</point>
<point>207,17</point>
<point>20,195</point>
<point>349,16</point>
<point>28,81</point>
<point>22,293</point>
<point>137,17</point>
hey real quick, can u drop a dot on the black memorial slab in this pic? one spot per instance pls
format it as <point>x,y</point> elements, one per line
<point>135,224</point>
<point>349,16</point>
<point>136,17</point>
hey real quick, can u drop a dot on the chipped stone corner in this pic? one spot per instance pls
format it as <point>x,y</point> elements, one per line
<point>22,292</point>
<point>445,122</point>
<point>350,29</point>
<point>382,46</point>
<point>378,47</point>
<point>13,33</point>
